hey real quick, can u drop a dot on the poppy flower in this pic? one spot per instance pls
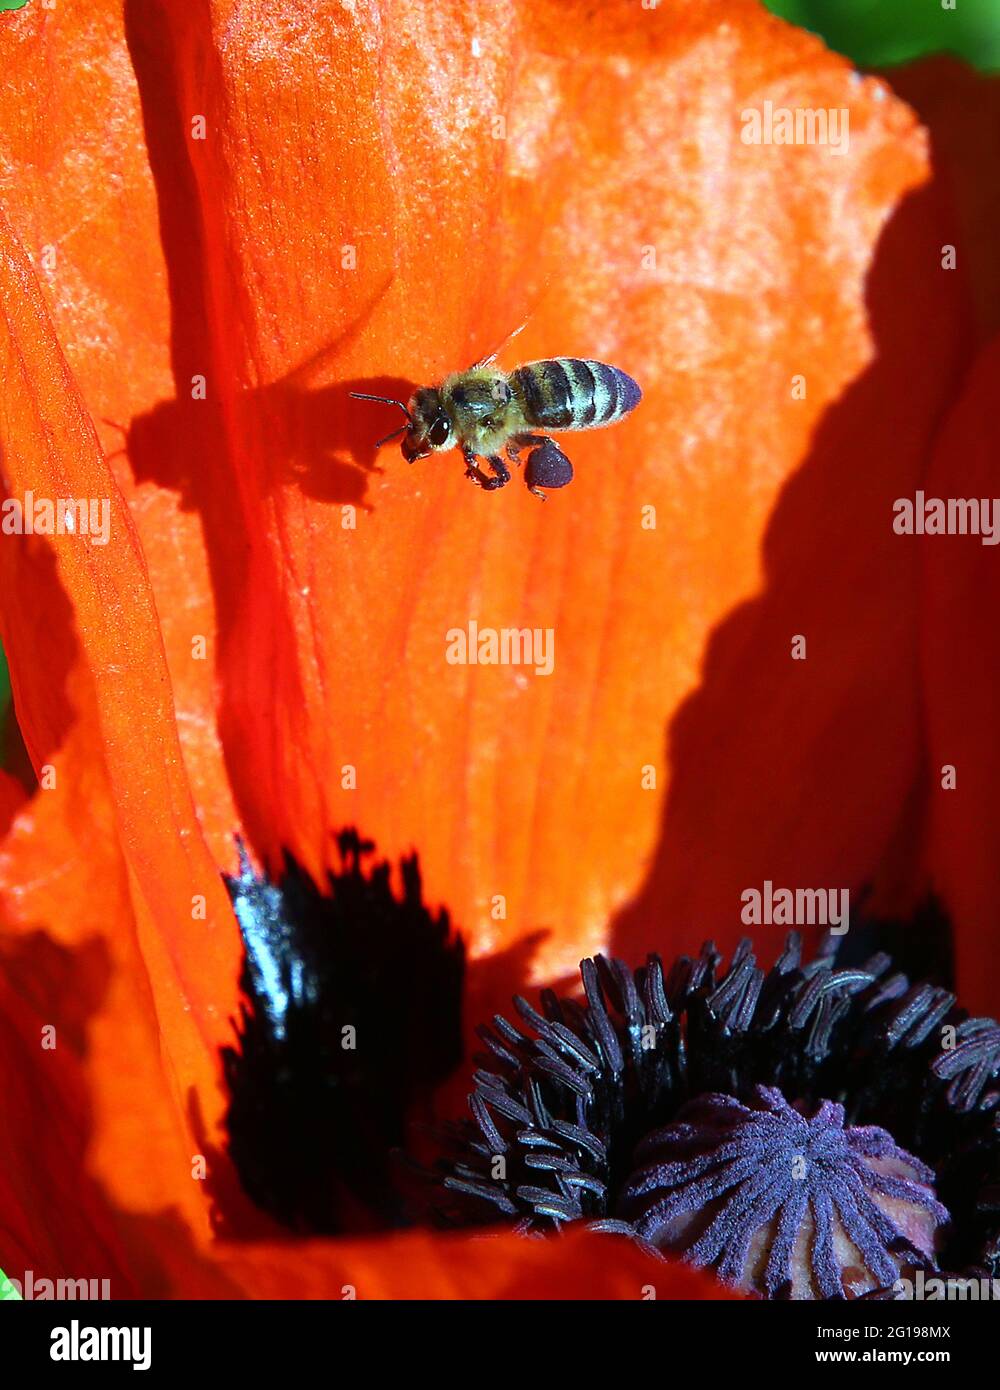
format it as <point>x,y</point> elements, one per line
<point>218,222</point>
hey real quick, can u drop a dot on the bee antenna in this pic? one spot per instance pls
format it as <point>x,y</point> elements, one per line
<point>384,400</point>
<point>387,400</point>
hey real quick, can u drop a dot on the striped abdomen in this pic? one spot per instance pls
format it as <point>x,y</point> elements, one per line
<point>573,393</point>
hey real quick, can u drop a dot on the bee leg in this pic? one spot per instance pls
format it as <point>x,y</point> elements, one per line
<point>501,471</point>
<point>514,454</point>
<point>547,465</point>
<point>473,471</point>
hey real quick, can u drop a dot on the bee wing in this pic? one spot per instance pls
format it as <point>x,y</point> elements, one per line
<point>492,357</point>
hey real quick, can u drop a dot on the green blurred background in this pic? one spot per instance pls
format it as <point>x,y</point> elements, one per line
<point>873,33</point>
<point>877,33</point>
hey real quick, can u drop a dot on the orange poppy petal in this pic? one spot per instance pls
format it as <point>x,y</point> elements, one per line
<point>580,1265</point>
<point>53,1216</point>
<point>961,671</point>
<point>807,772</point>
<point>109,1193</point>
<point>185,927</point>
<point>386,206</point>
<point>109,1129</point>
<point>420,1265</point>
<point>374,232</point>
<point>12,798</point>
<point>81,198</point>
<point>961,109</point>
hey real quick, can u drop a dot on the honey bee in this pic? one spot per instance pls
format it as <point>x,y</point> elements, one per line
<point>487,412</point>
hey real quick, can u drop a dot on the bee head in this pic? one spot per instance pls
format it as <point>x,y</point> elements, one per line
<point>428,427</point>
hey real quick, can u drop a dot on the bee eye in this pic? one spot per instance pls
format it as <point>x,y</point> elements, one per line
<point>439,432</point>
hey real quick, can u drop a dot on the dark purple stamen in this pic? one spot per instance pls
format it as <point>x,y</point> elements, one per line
<point>971,1066</point>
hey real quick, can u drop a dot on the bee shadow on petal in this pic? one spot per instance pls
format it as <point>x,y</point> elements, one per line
<point>317,439</point>
<point>332,449</point>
